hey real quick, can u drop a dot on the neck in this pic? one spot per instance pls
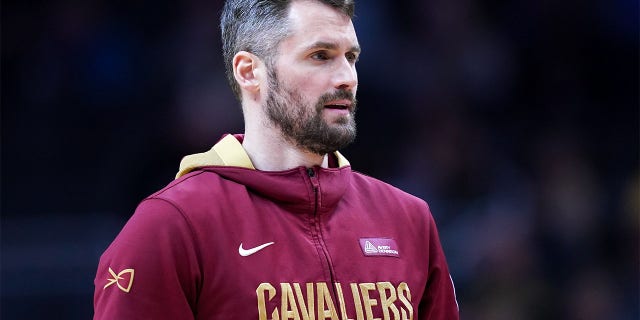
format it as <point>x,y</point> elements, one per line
<point>269,151</point>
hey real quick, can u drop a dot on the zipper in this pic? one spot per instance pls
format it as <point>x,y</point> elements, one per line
<point>317,234</point>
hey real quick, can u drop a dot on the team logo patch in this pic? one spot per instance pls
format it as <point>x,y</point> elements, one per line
<point>123,277</point>
<point>385,247</point>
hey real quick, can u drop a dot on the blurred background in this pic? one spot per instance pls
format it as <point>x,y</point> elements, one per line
<point>516,120</point>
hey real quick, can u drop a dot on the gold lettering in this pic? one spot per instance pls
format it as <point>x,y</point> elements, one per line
<point>404,295</point>
<point>324,300</point>
<point>308,310</point>
<point>368,302</point>
<point>262,306</point>
<point>386,301</point>
<point>288,303</point>
<point>395,303</point>
<point>343,307</point>
<point>356,301</point>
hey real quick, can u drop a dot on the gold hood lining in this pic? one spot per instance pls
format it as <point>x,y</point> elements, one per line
<point>228,152</point>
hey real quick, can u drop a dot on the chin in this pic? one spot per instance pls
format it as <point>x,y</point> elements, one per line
<point>339,120</point>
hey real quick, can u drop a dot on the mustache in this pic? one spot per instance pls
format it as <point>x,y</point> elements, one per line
<point>338,95</point>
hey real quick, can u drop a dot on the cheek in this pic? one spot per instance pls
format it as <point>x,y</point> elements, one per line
<point>310,85</point>
<point>310,88</point>
<point>312,81</point>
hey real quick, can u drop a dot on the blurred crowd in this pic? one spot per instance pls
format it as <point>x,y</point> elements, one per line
<point>517,121</point>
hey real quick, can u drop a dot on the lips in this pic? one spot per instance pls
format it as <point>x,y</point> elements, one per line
<point>338,104</point>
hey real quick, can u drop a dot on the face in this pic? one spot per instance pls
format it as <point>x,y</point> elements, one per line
<point>313,80</point>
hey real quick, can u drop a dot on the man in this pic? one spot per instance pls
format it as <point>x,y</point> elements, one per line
<point>273,224</point>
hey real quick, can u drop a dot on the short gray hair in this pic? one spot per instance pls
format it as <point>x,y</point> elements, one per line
<point>258,26</point>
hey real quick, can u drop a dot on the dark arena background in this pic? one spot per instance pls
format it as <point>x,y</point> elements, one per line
<point>516,120</point>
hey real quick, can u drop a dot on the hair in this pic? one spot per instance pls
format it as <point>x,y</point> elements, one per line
<point>258,26</point>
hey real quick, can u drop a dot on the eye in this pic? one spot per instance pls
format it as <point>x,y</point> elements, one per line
<point>352,57</point>
<point>320,55</point>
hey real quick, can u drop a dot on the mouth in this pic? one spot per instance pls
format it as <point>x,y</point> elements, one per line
<point>339,105</point>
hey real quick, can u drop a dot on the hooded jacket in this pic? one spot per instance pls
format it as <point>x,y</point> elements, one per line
<point>227,241</point>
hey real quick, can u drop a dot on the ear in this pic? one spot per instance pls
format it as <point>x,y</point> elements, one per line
<point>247,69</point>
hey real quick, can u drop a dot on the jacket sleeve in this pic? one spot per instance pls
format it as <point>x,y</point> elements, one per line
<point>150,271</point>
<point>439,299</point>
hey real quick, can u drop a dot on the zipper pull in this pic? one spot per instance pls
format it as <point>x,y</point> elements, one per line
<point>311,173</point>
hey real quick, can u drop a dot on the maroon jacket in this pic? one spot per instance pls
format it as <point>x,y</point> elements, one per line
<point>226,241</point>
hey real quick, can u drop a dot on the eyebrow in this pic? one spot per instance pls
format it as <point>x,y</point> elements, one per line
<point>330,46</point>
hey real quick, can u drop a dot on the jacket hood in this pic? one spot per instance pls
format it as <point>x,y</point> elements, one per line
<point>295,188</point>
<point>229,152</point>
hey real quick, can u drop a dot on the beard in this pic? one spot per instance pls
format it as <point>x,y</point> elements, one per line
<point>302,123</point>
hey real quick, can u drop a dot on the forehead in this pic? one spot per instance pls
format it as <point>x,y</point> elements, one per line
<point>313,22</point>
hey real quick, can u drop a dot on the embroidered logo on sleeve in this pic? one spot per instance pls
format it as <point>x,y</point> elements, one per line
<point>123,277</point>
<point>385,247</point>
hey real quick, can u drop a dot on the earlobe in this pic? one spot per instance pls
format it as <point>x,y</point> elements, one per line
<point>246,71</point>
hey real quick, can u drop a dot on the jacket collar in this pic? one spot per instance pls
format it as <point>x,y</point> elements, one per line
<point>229,152</point>
<point>293,188</point>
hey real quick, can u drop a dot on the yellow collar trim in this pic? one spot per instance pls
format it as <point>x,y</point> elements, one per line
<point>228,152</point>
<point>342,161</point>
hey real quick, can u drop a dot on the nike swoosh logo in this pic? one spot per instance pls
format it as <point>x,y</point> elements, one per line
<point>248,252</point>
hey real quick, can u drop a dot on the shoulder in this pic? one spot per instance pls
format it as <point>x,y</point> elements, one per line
<point>178,203</point>
<point>190,184</point>
<point>383,195</point>
<point>166,218</point>
<point>375,187</point>
<point>194,189</point>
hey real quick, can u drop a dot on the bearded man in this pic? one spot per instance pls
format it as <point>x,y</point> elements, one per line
<point>273,223</point>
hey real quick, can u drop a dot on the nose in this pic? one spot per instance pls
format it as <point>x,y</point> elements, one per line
<point>346,76</point>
